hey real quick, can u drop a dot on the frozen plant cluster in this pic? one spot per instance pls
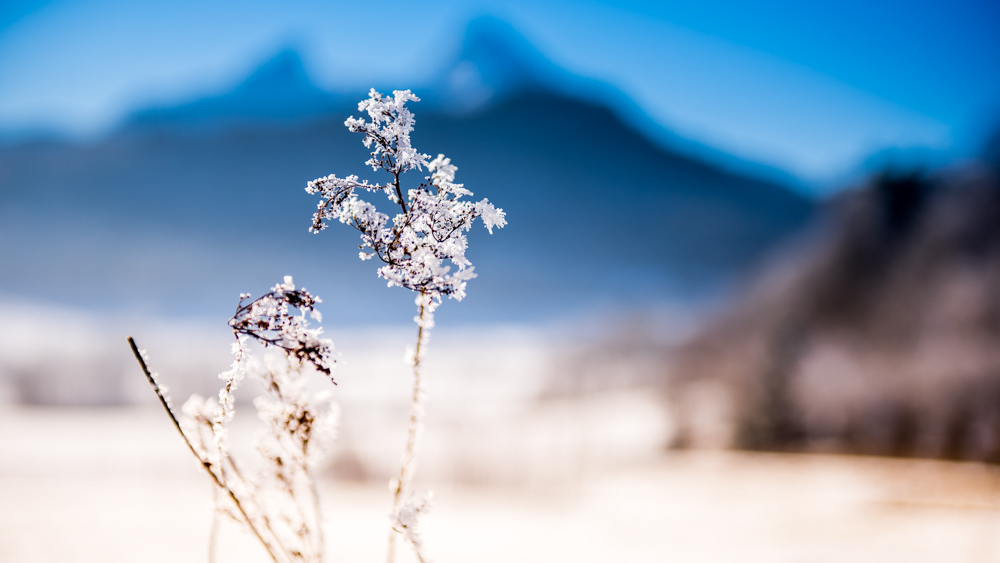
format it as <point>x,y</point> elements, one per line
<point>278,501</point>
<point>268,320</point>
<point>422,248</point>
<point>423,245</point>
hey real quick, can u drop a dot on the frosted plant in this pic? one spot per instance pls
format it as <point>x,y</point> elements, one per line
<point>430,229</point>
<point>278,504</point>
<point>267,320</point>
<point>422,247</point>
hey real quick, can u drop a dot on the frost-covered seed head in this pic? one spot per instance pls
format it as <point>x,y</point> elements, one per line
<point>423,247</point>
<point>269,320</point>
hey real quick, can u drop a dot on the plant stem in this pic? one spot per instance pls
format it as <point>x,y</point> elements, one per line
<point>399,192</point>
<point>207,465</point>
<point>416,419</point>
<point>318,517</point>
<point>213,533</point>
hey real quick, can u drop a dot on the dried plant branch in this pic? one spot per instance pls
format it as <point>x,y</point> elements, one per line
<point>289,525</point>
<point>423,248</point>
<point>268,320</point>
<point>207,465</point>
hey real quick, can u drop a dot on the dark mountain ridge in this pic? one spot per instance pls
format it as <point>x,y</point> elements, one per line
<point>185,207</point>
<point>279,91</point>
<point>494,63</point>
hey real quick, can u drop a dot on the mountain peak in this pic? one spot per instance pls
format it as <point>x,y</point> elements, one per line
<point>505,59</point>
<point>284,73</point>
<point>495,62</point>
<point>279,89</point>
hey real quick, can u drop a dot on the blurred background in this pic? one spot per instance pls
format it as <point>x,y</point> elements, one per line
<point>747,302</point>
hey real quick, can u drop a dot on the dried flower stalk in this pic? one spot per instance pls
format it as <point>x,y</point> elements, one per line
<point>416,247</point>
<point>280,505</point>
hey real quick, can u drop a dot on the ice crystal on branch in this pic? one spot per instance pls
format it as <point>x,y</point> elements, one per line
<point>406,521</point>
<point>269,321</point>
<point>423,246</point>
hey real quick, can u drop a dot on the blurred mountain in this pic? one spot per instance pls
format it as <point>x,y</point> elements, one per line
<point>185,207</point>
<point>279,91</point>
<point>496,63</point>
<point>879,336</point>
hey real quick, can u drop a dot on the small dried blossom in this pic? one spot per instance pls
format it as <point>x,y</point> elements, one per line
<point>417,245</point>
<point>268,319</point>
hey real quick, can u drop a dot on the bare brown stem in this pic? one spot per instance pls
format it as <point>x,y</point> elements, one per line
<point>207,465</point>
<point>399,192</point>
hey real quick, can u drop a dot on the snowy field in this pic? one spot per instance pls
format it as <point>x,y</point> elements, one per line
<point>523,467</point>
<point>114,485</point>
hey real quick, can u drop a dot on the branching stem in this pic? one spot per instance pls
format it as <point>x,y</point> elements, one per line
<point>207,465</point>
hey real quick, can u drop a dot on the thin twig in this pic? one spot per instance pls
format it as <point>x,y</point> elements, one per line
<point>318,516</point>
<point>213,532</point>
<point>207,465</point>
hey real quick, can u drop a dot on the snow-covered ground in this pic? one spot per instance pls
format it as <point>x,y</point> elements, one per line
<point>524,466</point>
<point>495,411</point>
<point>117,485</point>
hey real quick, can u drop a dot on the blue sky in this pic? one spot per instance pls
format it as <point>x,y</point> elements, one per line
<point>810,88</point>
